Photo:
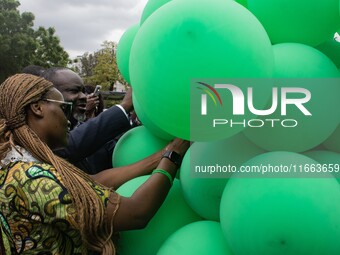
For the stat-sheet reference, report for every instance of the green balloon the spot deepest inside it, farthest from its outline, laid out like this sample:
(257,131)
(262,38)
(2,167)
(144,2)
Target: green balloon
(295,60)
(180,43)
(123,51)
(331,48)
(200,238)
(203,190)
(281,216)
(304,67)
(150,7)
(172,215)
(153,128)
(309,22)
(136,144)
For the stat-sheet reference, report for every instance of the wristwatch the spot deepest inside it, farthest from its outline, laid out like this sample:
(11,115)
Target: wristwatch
(174,157)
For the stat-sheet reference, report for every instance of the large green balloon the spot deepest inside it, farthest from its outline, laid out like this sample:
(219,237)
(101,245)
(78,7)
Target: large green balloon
(309,22)
(281,216)
(307,68)
(136,144)
(173,214)
(203,190)
(152,127)
(123,51)
(150,7)
(199,238)
(179,43)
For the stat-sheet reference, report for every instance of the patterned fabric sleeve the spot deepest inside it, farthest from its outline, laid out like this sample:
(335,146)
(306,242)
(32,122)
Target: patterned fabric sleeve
(5,248)
(41,216)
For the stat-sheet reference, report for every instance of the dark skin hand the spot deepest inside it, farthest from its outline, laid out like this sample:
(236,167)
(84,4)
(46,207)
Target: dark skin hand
(91,104)
(127,101)
(136,211)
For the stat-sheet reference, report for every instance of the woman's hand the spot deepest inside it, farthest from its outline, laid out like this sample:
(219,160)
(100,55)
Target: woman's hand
(178,145)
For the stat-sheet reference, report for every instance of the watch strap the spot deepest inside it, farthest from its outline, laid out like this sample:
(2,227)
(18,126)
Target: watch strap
(173,157)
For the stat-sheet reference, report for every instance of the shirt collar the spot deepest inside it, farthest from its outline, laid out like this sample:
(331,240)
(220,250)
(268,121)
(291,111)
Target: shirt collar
(17,154)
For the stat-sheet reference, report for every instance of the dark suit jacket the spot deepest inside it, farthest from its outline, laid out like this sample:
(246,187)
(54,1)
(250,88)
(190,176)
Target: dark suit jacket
(94,136)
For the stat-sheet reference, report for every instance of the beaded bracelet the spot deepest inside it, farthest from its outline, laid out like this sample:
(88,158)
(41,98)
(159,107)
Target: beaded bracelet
(161,171)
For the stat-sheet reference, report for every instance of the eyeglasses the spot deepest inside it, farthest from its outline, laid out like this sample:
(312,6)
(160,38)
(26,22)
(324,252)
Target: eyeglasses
(66,107)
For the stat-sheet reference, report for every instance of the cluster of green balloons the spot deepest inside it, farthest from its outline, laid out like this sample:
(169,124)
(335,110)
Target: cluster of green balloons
(167,53)
(174,214)
(281,215)
(299,65)
(176,54)
(203,188)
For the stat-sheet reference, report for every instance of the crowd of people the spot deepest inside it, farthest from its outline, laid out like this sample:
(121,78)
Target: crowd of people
(58,187)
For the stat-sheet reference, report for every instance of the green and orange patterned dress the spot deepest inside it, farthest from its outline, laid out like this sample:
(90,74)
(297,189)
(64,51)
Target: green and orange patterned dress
(37,215)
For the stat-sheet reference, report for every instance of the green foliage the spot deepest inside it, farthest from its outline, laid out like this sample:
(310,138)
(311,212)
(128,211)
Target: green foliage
(21,45)
(85,64)
(105,71)
(100,67)
(49,52)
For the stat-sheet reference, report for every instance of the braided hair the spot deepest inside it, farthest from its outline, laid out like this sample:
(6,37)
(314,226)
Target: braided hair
(16,94)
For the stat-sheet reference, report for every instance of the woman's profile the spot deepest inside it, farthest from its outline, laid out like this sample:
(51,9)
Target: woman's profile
(48,206)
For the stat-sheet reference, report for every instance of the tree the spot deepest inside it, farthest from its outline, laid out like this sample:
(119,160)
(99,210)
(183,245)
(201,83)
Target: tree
(105,70)
(16,36)
(49,52)
(100,67)
(85,64)
(21,45)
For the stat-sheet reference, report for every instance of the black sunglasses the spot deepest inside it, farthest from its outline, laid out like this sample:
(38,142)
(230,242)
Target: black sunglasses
(66,107)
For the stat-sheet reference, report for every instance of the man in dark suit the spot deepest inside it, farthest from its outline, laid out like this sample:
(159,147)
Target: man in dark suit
(91,143)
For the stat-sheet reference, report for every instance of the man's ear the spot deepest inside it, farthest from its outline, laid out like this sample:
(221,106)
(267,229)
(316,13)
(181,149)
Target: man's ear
(36,109)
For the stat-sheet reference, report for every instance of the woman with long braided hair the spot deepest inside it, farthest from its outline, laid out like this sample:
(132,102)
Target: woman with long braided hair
(48,206)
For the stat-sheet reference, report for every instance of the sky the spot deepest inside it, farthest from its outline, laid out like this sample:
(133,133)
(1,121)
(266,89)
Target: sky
(83,25)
